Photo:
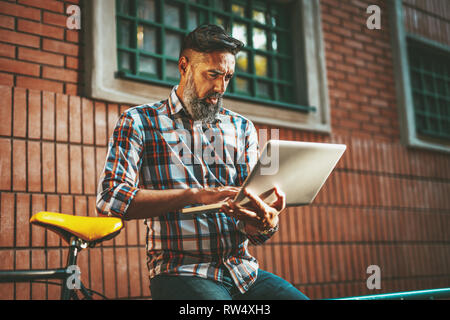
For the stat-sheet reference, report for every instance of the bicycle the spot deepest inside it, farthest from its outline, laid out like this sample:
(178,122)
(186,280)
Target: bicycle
(79,232)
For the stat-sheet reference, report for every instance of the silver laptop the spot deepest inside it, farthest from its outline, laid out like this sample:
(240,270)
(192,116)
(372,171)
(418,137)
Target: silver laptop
(299,169)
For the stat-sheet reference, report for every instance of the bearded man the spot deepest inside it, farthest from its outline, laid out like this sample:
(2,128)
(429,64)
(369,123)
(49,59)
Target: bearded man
(203,255)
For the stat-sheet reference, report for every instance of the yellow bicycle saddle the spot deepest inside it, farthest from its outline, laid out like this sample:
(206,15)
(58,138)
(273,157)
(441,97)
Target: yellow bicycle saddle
(89,229)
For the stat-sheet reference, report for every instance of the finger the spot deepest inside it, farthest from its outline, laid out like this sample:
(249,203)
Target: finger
(246,214)
(230,189)
(225,209)
(257,202)
(280,203)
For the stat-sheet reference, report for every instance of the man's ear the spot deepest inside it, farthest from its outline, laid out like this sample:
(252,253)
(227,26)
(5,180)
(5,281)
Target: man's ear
(183,65)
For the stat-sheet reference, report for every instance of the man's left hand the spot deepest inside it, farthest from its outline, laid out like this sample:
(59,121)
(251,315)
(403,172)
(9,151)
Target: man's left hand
(257,215)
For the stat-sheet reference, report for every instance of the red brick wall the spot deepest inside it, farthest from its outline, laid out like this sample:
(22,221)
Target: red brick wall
(429,19)
(37,50)
(385,204)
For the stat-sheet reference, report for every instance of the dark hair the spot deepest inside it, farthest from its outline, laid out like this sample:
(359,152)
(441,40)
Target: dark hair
(210,37)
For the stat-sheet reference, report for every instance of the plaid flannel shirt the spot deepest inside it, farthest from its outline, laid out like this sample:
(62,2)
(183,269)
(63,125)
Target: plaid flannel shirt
(160,147)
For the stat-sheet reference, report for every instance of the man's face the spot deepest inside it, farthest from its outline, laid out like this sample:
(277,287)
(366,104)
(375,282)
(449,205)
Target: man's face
(206,81)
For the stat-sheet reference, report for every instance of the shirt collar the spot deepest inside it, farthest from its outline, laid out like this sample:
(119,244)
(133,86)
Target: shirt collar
(175,104)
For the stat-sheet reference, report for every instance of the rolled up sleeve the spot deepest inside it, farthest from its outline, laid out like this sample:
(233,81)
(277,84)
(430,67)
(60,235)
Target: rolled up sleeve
(119,180)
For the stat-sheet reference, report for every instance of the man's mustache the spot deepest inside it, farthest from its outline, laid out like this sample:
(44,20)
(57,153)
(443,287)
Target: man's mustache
(213,95)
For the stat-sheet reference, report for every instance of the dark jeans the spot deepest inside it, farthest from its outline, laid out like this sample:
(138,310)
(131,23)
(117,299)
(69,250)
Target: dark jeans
(266,287)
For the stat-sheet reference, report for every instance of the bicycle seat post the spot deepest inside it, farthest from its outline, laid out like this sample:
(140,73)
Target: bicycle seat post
(75,246)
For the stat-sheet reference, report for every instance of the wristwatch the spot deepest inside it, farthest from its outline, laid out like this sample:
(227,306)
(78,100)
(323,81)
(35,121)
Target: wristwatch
(241,228)
(269,231)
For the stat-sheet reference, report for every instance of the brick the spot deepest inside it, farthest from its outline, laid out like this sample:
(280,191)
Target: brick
(62,117)
(6,79)
(59,74)
(341,31)
(74,119)
(54,19)
(48,166)
(122,272)
(87,110)
(15,10)
(54,261)
(89,170)
(34,114)
(48,115)
(95,267)
(19,38)
(331,19)
(20,112)
(80,205)
(100,124)
(41,57)
(19,67)
(135,276)
(62,168)
(7,50)
(34,166)
(22,220)
(53,205)
(345,86)
(23,290)
(371,128)
(6,110)
(39,84)
(67,205)
(7,22)
(60,47)
(72,63)
(71,89)
(37,233)
(345,68)
(76,173)
(51,5)
(73,36)
(40,29)
(7,220)
(110,276)
(19,177)
(339,13)
(132,232)
(5,164)
(307,222)
(92,208)
(38,258)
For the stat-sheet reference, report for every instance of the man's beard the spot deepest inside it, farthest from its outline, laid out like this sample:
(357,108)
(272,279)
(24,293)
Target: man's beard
(199,109)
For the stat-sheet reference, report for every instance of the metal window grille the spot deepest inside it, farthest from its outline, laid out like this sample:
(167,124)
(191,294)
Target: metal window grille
(430,84)
(150,32)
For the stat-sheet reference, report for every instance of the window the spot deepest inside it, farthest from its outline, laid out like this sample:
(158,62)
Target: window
(430,82)
(150,32)
(422,75)
(131,50)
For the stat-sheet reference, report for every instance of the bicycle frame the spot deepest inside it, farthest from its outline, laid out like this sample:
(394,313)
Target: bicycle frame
(63,274)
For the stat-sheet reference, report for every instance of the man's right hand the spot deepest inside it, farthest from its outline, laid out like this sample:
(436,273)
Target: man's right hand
(215,195)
